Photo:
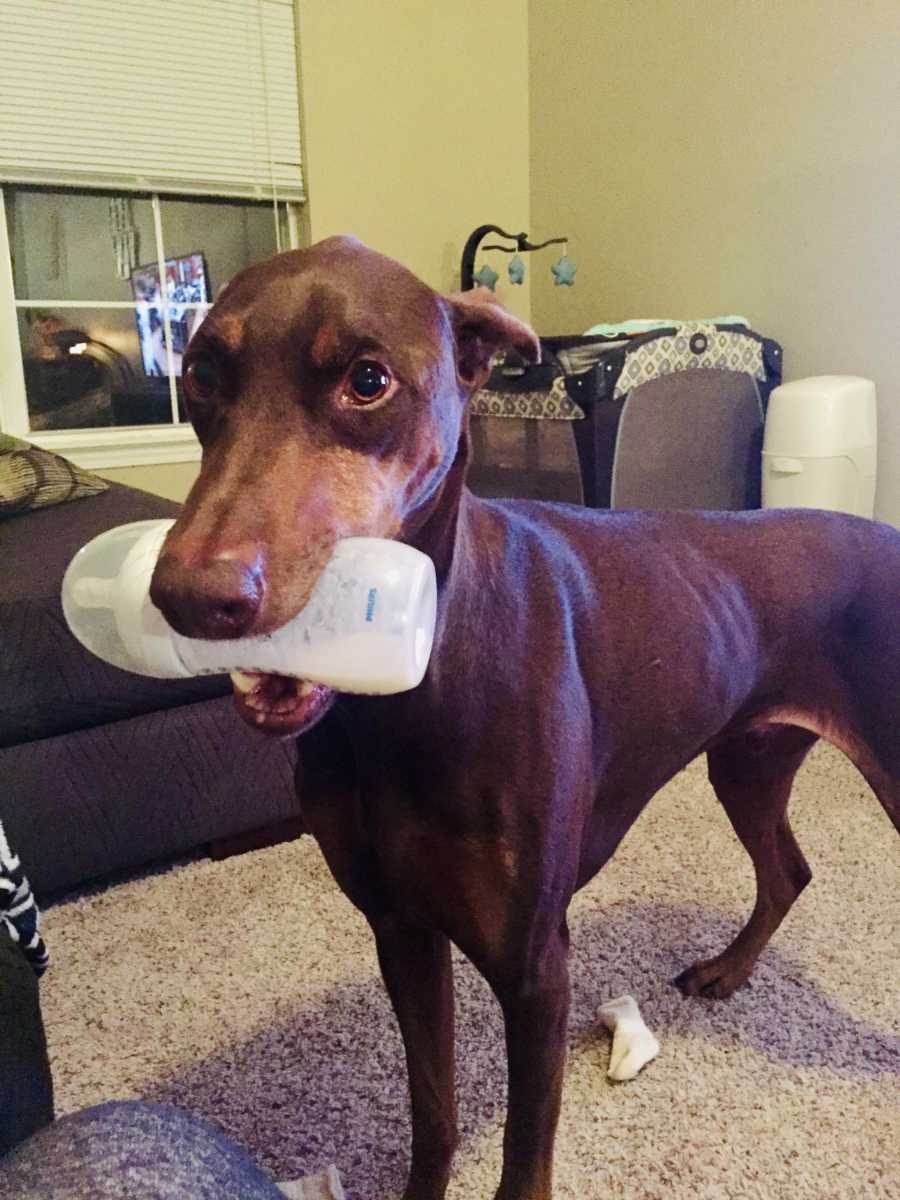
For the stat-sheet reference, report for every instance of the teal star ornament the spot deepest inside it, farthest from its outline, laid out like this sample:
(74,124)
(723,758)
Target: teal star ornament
(564,272)
(516,270)
(487,277)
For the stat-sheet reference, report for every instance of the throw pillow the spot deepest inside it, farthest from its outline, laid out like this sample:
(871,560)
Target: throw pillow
(34,478)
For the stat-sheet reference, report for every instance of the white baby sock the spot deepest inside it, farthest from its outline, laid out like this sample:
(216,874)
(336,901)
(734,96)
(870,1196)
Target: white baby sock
(633,1043)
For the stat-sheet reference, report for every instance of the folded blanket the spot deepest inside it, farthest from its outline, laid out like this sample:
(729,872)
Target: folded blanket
(649,324)
(18,912)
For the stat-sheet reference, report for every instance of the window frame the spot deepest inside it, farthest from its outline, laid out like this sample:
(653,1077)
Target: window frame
(120,446)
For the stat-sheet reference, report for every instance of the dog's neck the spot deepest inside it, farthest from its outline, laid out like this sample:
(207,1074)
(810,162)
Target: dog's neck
(438,527)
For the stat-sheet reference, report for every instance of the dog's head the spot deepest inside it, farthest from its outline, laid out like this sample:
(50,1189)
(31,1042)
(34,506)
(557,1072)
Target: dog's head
(328,389)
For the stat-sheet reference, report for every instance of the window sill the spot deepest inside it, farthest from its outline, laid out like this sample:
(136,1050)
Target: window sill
(137,446)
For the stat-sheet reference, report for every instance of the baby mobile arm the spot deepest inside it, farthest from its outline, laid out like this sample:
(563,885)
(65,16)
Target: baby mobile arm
(522,245)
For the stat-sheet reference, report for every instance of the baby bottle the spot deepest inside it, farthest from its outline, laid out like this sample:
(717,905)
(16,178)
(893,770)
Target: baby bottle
(368,626)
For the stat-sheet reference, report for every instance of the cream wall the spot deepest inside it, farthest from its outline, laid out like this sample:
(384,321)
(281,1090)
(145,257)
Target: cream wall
(415,132)
(172,480)
(729,157)
(416,127)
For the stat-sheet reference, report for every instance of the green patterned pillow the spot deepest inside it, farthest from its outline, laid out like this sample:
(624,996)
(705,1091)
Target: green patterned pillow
(35,478)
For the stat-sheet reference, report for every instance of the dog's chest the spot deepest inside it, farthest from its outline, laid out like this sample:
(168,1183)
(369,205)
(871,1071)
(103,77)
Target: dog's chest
(454,881)
(457,828)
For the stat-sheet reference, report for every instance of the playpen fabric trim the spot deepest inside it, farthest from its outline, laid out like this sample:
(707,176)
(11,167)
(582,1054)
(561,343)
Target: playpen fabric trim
(691,347)
(695,345)
(555,404)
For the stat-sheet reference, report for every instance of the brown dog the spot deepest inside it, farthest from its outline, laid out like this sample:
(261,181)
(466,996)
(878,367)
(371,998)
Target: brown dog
(581,660)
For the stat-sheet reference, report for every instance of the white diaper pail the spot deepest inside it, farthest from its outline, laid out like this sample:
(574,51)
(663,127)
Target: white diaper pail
(820,445)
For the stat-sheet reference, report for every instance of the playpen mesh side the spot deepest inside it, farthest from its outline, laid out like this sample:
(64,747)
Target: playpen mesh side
(516,457)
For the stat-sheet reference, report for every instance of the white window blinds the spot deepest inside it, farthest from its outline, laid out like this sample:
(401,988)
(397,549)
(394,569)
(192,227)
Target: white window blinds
(167,95)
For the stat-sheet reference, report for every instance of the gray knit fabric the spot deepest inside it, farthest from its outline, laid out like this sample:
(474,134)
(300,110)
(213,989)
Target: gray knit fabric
(131,1150)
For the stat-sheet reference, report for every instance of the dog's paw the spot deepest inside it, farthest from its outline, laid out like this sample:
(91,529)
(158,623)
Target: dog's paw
(715,979)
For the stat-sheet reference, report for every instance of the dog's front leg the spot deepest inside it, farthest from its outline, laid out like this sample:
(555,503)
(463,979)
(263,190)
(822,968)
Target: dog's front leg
(418,975)
(535,1010)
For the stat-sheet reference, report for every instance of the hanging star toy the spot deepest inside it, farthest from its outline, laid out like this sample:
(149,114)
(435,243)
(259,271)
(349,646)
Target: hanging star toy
(564,272)
(487,277)
(516,270)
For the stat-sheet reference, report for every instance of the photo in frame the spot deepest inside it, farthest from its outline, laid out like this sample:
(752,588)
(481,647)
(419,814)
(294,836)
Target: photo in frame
(188,297)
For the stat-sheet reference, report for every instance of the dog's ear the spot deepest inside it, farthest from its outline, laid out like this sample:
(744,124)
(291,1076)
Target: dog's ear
(483,328)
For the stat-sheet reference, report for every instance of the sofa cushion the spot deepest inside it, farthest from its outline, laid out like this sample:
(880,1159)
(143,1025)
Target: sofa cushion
(116,796)
(49,684)
(34,478)
(36,547)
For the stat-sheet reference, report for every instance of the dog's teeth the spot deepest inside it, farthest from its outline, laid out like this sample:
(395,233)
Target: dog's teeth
(305,688)
(243,682)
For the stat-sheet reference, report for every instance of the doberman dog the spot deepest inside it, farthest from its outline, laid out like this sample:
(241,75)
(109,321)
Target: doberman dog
(581,659)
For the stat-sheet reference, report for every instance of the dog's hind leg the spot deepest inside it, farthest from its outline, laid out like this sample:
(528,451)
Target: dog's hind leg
(752,773)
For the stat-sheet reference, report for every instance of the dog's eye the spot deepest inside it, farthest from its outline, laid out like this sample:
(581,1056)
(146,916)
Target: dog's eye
(368,382)
(203,377)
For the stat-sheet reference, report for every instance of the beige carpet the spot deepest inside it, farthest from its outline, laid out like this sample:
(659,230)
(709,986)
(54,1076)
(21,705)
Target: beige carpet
(247,991)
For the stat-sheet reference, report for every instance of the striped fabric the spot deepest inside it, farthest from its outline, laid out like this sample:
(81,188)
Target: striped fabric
(18,912)
(35,478)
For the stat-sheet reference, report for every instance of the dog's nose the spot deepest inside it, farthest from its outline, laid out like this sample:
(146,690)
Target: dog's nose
(218,599)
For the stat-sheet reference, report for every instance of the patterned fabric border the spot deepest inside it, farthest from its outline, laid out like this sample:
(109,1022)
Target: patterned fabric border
(18,912)
(691,347)
(552,405)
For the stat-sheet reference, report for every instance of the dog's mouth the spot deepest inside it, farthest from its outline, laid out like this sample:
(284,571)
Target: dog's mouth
(280,706)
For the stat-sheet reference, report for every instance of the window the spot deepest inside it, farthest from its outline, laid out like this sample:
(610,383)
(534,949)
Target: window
(124,211)
(100,337)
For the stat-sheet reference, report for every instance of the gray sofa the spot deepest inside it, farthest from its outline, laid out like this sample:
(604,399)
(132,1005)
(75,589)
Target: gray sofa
(102,770)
